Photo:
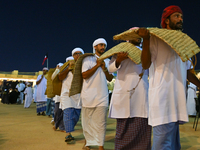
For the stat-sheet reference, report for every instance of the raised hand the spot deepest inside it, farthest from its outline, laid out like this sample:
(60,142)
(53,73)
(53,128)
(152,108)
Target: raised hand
(144,33)
(120,57)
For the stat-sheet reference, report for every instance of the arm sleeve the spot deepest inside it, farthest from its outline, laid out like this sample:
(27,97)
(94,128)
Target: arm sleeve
(153,47)
(189,65)
(25,92)
(38,78)
(55,73)
(86,64)
(111,67)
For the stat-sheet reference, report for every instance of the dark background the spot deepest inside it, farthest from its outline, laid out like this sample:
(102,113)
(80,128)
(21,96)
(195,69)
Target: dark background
(31,28)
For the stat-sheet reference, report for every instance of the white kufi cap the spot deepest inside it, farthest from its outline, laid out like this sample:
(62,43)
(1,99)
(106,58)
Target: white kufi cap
(98,41)
(59,64)
(45,68)
(69,58)
(76,50)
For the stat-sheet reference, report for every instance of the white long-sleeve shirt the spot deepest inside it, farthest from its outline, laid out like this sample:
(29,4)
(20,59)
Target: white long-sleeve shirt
(167,82)
(94,91)
(122,105)
(65,100)
(41,88)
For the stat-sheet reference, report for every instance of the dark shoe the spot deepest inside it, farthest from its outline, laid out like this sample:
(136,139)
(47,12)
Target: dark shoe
(38,114)
(69,138)
(43,114)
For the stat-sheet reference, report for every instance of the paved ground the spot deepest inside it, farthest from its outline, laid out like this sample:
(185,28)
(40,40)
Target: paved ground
(22,129)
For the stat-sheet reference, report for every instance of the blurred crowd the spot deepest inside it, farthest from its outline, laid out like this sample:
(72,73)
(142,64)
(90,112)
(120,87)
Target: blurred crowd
(13,92)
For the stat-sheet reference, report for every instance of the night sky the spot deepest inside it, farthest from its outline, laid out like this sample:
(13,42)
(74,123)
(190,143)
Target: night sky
(31,28)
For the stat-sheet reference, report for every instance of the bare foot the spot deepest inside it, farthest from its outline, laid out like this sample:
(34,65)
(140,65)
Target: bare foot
(85,147)
(101,148)
(54,128)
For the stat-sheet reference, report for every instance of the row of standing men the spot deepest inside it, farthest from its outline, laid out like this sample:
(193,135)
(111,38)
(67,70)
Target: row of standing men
(136,104)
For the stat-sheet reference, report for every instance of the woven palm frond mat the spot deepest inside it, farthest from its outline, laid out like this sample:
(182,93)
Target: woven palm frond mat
(127,35)
(77,80)
(63,67)
(134,53)
(57,84)
(49,90)
(180,42)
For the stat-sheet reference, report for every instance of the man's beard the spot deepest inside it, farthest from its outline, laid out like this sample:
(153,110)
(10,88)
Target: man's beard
(175,26)
(100,52)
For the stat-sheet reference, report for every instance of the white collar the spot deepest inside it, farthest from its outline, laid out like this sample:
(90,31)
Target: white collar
(96,55)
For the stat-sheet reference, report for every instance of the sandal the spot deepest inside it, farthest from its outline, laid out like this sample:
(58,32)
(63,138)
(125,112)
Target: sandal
(69,138)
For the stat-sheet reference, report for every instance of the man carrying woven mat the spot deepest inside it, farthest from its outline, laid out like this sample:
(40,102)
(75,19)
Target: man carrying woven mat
(94,96)
(167,82)
(41,98)
(130,107)
(69,105)
(57,121)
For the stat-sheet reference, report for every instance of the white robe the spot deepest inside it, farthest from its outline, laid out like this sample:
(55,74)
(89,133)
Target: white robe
(191,95)
(94,96)
(94,91)
(41,88)
(35,93)
(167,84)
(28,97)
(56,99)
(122,106)
(65,100)
(20,87)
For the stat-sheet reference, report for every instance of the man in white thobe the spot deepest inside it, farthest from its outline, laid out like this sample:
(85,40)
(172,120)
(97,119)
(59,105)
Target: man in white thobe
(41,98)
(57,113)
(20,87)
(191,95)
(94,95)
(167,82)
(34,93)
(28,96)
(128,106)
(70,105)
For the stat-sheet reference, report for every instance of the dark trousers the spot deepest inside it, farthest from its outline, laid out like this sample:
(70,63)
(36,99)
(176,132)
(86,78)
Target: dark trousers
(58,118)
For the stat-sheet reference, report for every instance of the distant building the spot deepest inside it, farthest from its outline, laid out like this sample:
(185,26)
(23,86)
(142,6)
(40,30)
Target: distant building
(16,75)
